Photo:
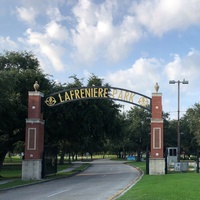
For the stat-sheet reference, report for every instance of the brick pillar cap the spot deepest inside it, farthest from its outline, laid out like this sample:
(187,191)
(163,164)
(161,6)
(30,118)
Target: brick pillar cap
(157,94)
(34,93)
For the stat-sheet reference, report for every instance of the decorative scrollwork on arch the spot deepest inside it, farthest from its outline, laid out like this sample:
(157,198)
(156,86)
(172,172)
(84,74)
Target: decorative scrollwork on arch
(143,101)
(50,101)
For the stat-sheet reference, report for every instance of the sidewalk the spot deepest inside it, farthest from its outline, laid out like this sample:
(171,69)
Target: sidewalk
(6,181)
(73,167)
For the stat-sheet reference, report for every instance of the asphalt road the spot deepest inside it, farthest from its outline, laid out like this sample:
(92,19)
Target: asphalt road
(103,180)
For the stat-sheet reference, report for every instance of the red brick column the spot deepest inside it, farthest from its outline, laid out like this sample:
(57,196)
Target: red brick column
(157,127)
(34,138)
(34,141)
(157,161)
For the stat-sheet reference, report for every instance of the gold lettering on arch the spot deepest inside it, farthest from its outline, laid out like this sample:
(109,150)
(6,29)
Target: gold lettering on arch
(98,93)
(126,96)
(131,97)
(67,97)
(120,95)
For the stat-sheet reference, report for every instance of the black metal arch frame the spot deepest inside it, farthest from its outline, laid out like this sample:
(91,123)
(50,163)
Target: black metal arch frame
(54,96)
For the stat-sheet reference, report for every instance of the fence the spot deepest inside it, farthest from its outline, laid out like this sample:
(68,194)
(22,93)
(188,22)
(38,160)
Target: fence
(182,166)
(49,162)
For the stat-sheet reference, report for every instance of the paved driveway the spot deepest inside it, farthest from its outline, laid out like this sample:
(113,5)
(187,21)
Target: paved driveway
(103,180)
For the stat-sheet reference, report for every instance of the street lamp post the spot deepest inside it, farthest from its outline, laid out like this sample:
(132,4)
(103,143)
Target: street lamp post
(178,128)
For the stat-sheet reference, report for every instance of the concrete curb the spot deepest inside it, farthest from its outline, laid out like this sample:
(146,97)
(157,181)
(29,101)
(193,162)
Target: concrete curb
(129,186)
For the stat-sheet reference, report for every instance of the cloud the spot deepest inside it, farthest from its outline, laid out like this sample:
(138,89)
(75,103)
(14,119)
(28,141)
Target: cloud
(29,11)
(116,27)
(8,44)
(182,67)
(47,46)
(174,69)
(49,37)
(27,14)
(56,31)
(55,15)
(141,77)
(96,35)
(125,35)
(186,67)
(160,16)
(148,71)
(104,31)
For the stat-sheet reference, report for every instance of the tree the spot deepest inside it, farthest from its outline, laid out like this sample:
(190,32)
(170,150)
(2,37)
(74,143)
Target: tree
(139,129)
(120,142)
(193,117)
(101,119)
(170,133)
(18,72)
(64,118)
(82,126)
(188,141)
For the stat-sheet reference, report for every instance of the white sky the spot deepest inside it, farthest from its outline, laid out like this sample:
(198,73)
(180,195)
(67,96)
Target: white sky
(131,44)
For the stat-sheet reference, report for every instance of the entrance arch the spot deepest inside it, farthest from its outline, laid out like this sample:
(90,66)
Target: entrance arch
(98,92)
(34,140)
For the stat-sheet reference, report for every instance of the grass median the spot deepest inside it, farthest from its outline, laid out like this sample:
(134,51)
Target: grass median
(172,186)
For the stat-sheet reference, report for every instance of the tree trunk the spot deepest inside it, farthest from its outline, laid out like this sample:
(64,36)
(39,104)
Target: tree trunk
(69,158)
(2,157)
(91,156)
(62,157)
(82,155)
(197,160)
(73,156)
(184,156)
(139,154)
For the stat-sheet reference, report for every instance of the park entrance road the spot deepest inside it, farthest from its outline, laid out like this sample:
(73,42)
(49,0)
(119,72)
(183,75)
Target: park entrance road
(101,181)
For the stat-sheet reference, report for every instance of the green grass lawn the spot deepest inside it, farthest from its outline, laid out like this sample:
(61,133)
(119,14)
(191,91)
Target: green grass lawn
(12,168)
(173,186)
(11,171)
(13,160)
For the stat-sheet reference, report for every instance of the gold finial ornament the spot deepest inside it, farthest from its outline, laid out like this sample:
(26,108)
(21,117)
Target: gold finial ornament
(36,86)
(156,87)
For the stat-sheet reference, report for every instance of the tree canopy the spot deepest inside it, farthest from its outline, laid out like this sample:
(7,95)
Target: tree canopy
(192,120)
(18,72)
